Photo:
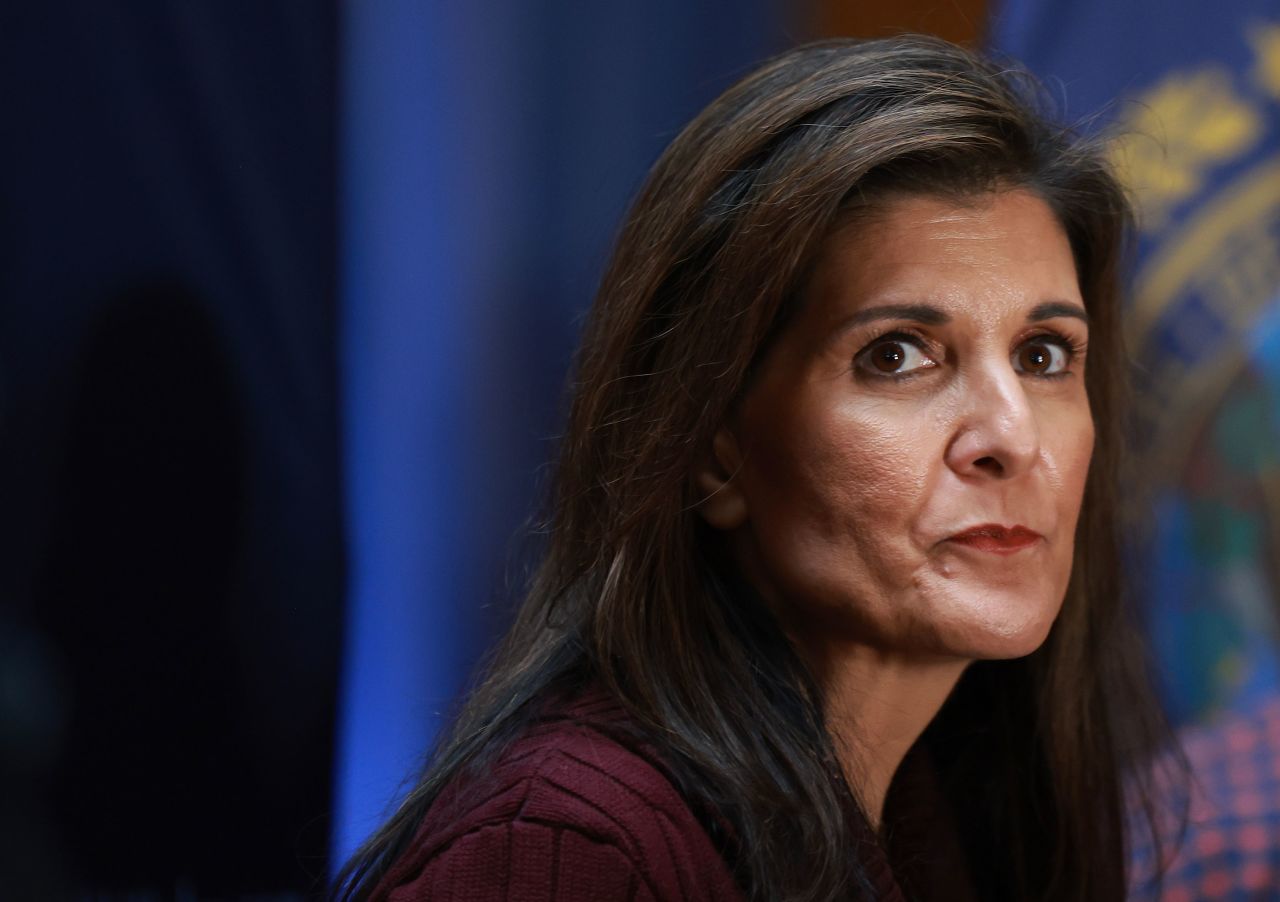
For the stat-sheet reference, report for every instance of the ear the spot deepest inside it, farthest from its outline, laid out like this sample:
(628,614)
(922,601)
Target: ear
(723,504)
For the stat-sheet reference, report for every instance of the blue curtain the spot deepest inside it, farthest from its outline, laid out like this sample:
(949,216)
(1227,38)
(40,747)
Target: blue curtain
(488,153)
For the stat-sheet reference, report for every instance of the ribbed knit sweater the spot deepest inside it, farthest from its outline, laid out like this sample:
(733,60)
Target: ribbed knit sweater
(573,811)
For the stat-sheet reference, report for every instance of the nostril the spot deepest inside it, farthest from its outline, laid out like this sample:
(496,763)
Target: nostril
(989,463)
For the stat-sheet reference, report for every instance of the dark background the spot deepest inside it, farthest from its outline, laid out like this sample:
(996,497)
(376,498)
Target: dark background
(172,569)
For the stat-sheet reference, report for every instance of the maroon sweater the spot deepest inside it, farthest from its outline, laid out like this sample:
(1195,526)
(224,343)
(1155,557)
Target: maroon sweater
(572,811)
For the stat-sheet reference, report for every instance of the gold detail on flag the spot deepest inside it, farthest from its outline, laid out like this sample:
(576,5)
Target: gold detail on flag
(1265,39)
(1213,278)
(1178,131)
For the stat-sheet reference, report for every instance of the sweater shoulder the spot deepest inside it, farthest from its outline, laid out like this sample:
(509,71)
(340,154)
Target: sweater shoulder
(575,774)
(578,800)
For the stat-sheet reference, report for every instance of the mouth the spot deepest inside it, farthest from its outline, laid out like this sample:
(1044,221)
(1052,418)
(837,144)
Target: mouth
(997,539)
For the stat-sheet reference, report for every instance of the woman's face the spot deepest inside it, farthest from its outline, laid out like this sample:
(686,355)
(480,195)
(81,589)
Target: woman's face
(907,467)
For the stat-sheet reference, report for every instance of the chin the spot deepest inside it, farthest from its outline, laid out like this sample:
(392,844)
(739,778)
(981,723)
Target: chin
(992,625)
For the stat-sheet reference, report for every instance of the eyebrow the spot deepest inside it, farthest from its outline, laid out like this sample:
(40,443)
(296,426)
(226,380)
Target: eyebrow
(920,313)
(1054,309)
(932,316)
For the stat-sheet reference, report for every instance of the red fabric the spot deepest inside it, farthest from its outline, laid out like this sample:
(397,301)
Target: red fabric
(572,812)
(1231,848)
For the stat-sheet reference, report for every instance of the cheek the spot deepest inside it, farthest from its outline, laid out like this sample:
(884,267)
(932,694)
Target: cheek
(886,462)
(1069,452)
(833,496)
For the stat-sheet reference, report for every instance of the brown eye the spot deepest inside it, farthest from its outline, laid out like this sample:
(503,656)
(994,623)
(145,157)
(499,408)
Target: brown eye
(1040,358)
(888,357)
(892,357)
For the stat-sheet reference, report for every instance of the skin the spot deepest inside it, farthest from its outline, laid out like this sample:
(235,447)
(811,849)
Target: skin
(932,381)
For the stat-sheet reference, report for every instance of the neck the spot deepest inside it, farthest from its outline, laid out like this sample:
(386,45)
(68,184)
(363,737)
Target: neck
(876,706)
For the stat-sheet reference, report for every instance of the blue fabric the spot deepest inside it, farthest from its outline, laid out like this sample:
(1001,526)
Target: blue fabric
(489,150)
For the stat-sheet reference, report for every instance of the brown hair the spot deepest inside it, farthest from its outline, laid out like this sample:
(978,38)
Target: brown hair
(630,594)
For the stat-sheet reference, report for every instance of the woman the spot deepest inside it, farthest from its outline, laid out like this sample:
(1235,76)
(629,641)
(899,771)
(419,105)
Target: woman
(830,606)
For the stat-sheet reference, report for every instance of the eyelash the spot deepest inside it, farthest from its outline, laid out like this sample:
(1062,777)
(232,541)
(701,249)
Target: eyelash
(1074,349)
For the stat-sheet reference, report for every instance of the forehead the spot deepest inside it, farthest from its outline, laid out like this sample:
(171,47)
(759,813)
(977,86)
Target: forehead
(994,255)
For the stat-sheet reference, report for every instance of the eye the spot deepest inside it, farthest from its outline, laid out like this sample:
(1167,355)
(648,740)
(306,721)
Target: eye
(893,355)
(1042,356)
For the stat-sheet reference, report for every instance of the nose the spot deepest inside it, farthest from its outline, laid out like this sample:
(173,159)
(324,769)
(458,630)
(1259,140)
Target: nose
(996,434)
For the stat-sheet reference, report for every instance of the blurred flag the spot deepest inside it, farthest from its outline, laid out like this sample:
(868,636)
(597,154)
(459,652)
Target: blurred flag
(1188,92)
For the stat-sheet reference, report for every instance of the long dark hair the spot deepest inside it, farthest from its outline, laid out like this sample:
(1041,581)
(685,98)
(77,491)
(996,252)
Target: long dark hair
(631,595)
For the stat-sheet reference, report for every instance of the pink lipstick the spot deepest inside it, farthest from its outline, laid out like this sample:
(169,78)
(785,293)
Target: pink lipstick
(997,539)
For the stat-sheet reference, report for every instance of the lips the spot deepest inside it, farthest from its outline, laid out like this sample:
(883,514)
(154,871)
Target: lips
(997,539)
